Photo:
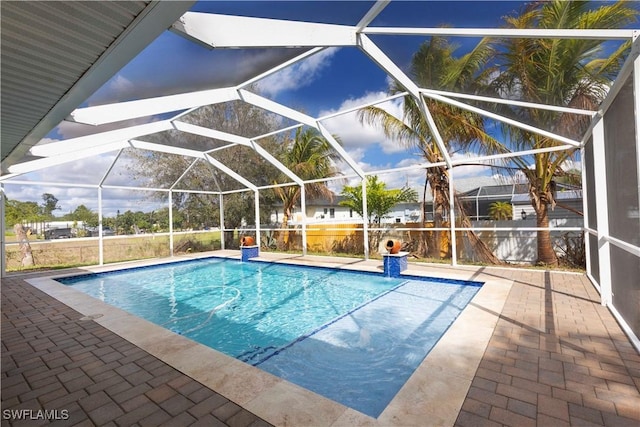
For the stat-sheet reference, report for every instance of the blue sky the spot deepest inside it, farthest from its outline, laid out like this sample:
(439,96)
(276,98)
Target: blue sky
(327,82)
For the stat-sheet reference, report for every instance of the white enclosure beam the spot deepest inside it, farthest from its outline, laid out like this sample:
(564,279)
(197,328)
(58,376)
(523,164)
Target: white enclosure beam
(100,239)
(510,102)
(256,198)
(224,136)
(230,172)
(275,132)
(602,212)
(502,119)
(210,133)
(452,221)
(372,13)
(43,163)
(365,219)
(221,206)
(161,148)
(96,140)
(384,62)
(361,106)
(532,33)
(170,197)
(227,31)
(110,113)
(303,208)
(281,66)
(274,107)
(110,168)
(341,151)
(434,131)
(186,171)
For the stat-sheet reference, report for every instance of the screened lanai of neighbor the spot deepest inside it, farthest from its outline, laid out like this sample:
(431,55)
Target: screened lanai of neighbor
(73,125)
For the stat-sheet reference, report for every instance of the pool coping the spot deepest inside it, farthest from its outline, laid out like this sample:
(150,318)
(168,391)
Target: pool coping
(435,391)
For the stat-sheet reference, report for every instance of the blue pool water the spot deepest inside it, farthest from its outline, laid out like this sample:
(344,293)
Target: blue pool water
(352,337)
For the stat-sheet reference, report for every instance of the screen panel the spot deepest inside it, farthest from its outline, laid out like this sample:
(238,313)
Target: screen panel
(622,167)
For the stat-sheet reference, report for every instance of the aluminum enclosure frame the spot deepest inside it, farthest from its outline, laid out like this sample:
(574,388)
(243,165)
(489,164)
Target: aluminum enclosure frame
(227,32)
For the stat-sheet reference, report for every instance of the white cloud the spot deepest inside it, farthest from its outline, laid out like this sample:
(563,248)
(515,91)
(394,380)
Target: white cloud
(120,85)
(362,135)
(297,75)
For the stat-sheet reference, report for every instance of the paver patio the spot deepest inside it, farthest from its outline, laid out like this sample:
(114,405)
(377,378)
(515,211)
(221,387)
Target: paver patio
(556,357)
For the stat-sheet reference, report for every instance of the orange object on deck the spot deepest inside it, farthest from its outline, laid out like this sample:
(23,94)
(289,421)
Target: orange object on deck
(247,241)
(393,246)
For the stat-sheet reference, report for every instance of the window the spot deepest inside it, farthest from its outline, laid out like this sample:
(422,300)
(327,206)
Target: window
(332,213)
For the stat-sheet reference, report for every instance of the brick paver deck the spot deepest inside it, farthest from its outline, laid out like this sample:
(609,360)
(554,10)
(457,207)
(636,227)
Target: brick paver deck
(54,360)
(556,358)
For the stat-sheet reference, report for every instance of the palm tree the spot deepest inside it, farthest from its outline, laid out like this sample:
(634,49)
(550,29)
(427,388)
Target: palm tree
(501,211)
(562,72)
(310,156)
(434,66)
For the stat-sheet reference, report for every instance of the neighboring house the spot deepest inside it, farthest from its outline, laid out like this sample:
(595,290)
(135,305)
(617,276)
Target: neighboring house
(569,202)
(330,211)
(476,199)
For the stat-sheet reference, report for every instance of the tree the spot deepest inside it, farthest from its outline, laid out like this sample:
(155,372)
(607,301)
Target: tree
(501,211)
(435,66)
(563,72)
(198,210)
(50,204)
(380,200)
(84,214)
(309,156)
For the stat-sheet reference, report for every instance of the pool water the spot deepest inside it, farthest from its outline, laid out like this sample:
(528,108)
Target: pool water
(352,337)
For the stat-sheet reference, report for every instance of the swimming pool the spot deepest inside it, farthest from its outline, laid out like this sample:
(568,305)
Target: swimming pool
(352,337)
